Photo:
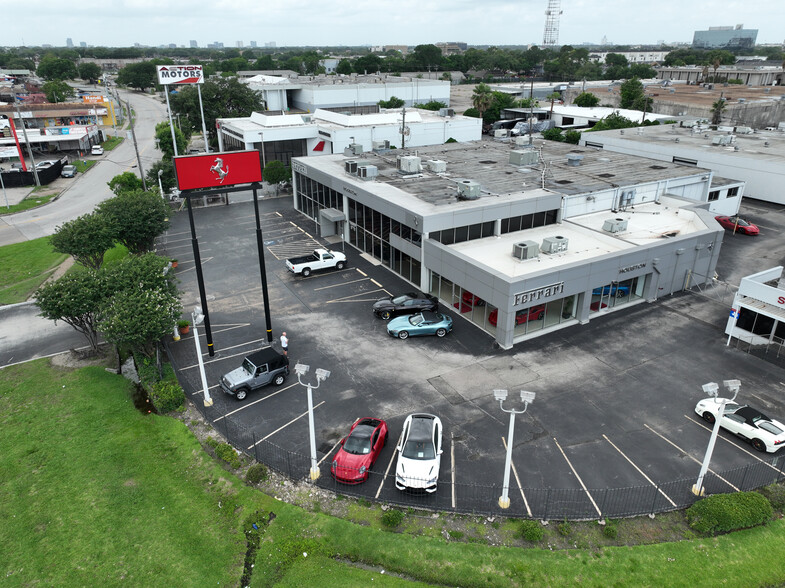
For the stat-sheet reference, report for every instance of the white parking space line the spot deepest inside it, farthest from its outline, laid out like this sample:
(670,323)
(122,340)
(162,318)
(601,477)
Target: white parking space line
(353,298)
(362,273)
(389,465)
(286,425)
(569,463)
(341,284)
(648,479)
(201,391)
(196,365)
(377,283)
(326,455)
(248,405)
(452,467)
(747,451)
(518,480)
(688,455)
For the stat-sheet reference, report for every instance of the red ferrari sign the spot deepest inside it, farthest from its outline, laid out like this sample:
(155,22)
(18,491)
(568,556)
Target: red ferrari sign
(216,170)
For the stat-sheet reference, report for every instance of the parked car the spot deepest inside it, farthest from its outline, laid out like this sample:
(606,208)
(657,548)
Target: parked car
(525,315)
(763,433)
(319,259)
(419,453)
(422,323)
(471,299)
(359,450)
(258,369)
(68,171)
(612,289)
(596,305)
(386,308)
(44,164)
(97,150)
(737,224)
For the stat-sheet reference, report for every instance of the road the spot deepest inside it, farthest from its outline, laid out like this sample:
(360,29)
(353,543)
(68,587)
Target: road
(91,188)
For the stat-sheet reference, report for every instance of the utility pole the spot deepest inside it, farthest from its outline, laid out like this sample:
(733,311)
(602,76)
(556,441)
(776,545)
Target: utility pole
(531,108)
(136,147)
(403,128)
(27,141)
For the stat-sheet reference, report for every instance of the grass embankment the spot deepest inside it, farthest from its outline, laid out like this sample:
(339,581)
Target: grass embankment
(24,267)
(94,493)
(111,142)
(35,199)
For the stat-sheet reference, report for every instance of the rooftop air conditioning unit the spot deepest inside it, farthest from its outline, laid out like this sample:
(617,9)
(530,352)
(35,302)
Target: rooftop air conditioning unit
(615,225)
(523,157)
(446,112)
(367,172)
(525,250)
(436,165)
(501,133)
(468,190)
(408,164)
(380,145)
(521,140)
(350,166)
(554,244)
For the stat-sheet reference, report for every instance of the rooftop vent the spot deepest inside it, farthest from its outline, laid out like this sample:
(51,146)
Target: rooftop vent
(523,157)
(615,225)
(525,250)
(554,244)
(468,190)
(446,112)
(574,160)
(352,149)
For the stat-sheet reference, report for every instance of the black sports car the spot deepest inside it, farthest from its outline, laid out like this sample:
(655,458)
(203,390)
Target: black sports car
(409,303)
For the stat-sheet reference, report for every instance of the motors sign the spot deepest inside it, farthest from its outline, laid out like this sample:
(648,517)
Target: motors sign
(218,170)
(179,74)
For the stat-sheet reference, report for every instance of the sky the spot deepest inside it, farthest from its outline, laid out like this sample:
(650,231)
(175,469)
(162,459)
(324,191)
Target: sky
(124,23)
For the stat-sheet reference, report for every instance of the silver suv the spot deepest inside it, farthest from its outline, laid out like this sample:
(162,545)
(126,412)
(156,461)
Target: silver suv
(259,369)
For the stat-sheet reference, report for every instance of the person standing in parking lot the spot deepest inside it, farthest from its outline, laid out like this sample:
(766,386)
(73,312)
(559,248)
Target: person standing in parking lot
(285,344)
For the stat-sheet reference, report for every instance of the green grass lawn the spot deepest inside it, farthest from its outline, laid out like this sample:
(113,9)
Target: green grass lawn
(112,142)
(33,200)
(94,493)
(24,267)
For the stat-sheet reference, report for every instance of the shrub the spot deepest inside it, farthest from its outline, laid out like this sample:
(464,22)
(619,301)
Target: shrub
(227,453)
(167,396)
(610,530)
(146,370)
(211,442)
(565,529)
(257,473)
(530,531)
(776,495)
(728,512)
(392,518)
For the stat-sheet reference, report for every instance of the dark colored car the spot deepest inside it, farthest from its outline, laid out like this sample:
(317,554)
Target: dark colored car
(359,451)
(738,225)
(409,303)
(263,367)
(534,313)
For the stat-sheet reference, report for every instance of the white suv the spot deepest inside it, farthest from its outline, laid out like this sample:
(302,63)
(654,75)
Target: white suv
(97,150)
(420,451)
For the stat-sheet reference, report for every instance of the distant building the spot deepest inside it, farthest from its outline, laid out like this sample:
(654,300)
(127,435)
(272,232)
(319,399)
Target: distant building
(238,44)
(271,44)
(452,48)
(193,44)
(330,64)
(216,45)
(253,44)
(725,38)
(403,49)
(82,44)
(632,56)
(69,43)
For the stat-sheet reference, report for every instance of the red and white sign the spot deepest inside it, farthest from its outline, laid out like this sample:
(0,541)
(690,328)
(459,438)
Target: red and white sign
(216,170)
(179,74)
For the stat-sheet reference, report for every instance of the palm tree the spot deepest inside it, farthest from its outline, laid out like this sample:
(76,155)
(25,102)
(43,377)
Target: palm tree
(716,111)
(553,97)
(482,98)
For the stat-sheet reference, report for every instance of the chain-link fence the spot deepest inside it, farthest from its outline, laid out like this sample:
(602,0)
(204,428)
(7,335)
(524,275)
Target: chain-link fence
(461,497)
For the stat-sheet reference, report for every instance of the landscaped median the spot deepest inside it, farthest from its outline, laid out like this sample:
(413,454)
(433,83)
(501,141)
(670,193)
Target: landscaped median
(94,492)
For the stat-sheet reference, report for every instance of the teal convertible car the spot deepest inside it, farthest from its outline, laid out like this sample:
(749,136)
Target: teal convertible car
(422,323)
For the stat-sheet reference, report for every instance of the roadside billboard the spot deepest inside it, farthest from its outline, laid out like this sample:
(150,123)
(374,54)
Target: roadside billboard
(179,74)
(217,170)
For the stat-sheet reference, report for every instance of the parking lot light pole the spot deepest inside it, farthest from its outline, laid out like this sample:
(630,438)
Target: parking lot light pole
(501,396)
(198,317)
(321,375)
(711,389)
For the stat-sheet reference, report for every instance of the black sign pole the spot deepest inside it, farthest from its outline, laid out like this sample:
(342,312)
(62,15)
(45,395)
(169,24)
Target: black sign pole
(199,279)
(262,271)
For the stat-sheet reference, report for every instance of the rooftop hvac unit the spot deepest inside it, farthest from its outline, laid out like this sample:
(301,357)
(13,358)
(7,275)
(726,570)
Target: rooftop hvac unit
(408,164)
(744,130)
(574,160)
(468,190)
(525,250)
(554,244)
(379,145)
(350,166)
(521,140)
(615,225)
(367,172)
(446,112)
(436,165)
(501,133)
(523,157)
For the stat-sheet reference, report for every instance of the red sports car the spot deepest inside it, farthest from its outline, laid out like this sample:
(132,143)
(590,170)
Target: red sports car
(359,451)
(596,305)
(471,299)
(534,313)
(739,225)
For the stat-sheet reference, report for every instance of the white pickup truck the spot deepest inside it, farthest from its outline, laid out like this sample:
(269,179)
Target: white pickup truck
(319,259)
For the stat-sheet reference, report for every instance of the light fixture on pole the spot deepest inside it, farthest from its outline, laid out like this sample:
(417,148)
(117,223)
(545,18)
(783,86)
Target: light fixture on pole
(501,396)
(711,389)
(301,369)
(160,187)
(198,317)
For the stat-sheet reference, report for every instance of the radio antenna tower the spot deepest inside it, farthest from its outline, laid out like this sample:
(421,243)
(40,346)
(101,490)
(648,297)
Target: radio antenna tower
(551,36)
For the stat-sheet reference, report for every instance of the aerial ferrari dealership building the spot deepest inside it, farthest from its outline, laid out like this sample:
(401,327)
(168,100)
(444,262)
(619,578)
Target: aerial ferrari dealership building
(519,239)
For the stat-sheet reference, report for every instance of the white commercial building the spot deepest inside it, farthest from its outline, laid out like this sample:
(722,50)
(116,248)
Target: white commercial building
(758,313)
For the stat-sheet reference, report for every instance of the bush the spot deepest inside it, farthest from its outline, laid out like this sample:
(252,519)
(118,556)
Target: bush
(727,512)
(610,530)
(227,453)
(257,473)
(211,442)
(392,518)
(167,396)
(776,495)
(553,134)
(531,531)
(565,529)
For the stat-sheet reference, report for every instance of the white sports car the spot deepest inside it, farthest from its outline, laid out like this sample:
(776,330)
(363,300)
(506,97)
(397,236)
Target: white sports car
(748,423)
(420,451)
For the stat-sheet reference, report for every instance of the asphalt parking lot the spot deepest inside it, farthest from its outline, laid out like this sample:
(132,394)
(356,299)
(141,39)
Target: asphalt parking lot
(615,398)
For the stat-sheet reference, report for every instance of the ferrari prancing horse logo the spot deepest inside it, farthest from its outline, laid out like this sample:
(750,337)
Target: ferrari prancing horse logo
(218,169)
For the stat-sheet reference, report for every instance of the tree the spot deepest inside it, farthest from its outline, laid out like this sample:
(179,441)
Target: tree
(163,135)
(57,91)
(434,105)
(89,71)
(553,134)
(572,137)
(125,182)
(168,179)
(630,91)
(482,98)
(427,56)
(553,97)
(86,239)
(276,173)
(140,75)
(613,121)
(716,111)
(344,67)
(56,68)
(137,218)
(74,299)
(393,102)
(472,112)
(500,101)
(586,100)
